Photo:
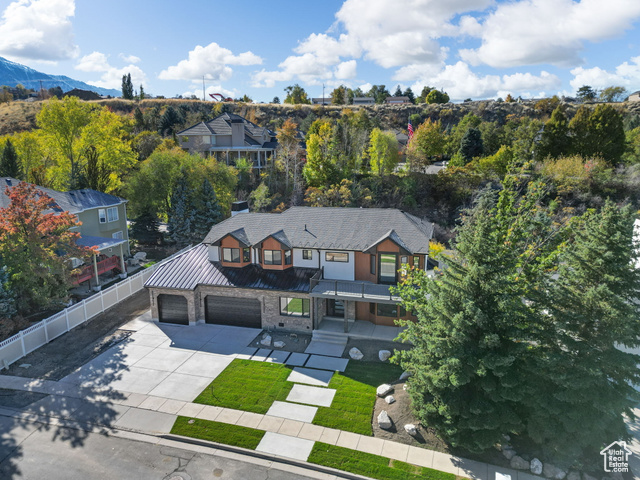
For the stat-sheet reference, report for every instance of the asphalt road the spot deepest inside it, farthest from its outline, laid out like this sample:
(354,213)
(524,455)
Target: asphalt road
(35,451)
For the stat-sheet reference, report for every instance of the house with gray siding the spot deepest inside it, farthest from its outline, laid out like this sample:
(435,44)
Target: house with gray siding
(290,270)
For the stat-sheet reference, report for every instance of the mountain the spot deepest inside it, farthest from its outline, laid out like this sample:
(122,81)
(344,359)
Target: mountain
(11,74)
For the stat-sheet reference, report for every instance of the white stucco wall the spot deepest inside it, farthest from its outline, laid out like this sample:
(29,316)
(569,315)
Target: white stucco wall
(338,270)
(214,253)
(298,261)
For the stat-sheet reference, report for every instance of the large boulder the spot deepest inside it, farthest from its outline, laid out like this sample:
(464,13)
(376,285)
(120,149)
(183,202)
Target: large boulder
(278,344)
(404,375)
(356,354)
(411,429)
(384,355)
(508,452)
(519,463)
(266,341)
(384,390)
(384,421)
(389,399)
(536,466)
(553,472)
(573,475)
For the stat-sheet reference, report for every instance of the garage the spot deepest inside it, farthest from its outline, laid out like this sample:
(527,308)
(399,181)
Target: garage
(173,309)
(240,312)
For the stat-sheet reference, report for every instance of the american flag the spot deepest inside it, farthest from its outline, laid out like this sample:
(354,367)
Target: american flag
(410,128)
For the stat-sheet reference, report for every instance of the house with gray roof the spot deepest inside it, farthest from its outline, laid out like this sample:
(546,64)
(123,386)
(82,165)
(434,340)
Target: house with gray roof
(229,137)
(293,269)
(103,225)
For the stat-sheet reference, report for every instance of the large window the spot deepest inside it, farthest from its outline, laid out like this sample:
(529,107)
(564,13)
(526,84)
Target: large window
(231,255)
(387,310)
(416,261)
(112,214)
(287,257)
(388,268)
(102,215)
(336,257)
(272,257)
(307,254)
(298,307)
(117,235)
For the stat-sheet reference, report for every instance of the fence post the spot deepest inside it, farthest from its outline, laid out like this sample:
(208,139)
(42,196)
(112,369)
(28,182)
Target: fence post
(84,306)
(102,300)
(66,317)
(24,350)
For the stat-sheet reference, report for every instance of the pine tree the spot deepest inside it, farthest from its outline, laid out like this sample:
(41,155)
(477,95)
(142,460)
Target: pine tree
(555,140)
(208,212)
(9,163)
(127,87)
(471,144)
(7,297)
(182,212)
(145,228)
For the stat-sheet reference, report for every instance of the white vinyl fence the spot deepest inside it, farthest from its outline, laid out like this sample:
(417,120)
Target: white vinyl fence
(32,338)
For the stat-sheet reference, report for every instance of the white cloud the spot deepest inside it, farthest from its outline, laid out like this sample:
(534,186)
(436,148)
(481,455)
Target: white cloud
(129,58)
(111,76)
(346,70)
(196,89)
(38,30)
(529,32)
(211,61)
(625,75)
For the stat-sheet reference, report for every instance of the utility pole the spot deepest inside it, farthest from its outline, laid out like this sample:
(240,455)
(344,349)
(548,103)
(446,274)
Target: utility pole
(41,91)
(323,94)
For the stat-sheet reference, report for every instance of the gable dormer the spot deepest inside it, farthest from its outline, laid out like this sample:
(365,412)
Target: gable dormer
(275,251)
(232,250)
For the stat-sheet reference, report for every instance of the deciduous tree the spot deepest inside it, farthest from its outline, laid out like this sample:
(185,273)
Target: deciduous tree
(296,95)
(428,142)
(383,152)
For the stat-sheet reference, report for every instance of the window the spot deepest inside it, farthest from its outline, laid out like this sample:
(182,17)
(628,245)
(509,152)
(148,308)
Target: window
(387,310)
(416,261)
(387,268)
(102,215)
(272,257)
(295,307)
(112,214)
(206,139)
(246,255)
(287,257)
(117,235)
(372,264)
(404,260)
(307,254)
(231,255)
(336,257)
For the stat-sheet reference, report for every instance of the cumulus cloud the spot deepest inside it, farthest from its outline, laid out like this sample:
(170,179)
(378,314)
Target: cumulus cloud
(211,61)
(532,32)
(38,30)
(129,58)
(625,75)
(111,76)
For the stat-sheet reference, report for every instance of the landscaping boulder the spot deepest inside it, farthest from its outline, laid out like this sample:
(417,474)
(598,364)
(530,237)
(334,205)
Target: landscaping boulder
(536,466)
(411,429)
(553,472)
(266,341)
(573,475)
(405,375)
(586,476)
(356,354)
(384,390)
(140,257)
(384,421)
(389,399)
(508,452)
(384,355)
(405,386)
(279,344)
(519,463)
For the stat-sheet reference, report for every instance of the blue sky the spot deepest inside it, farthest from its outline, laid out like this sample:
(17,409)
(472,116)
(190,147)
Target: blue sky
(470,48)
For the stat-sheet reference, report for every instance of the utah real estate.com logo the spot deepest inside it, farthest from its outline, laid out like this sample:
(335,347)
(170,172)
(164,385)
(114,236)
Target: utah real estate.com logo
(616,457)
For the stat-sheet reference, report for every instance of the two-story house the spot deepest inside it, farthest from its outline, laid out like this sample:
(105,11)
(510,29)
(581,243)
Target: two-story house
(229,137)
(292,269)
(103,225)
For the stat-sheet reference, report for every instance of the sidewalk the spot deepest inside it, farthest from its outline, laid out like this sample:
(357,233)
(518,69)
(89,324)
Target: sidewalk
(287,438)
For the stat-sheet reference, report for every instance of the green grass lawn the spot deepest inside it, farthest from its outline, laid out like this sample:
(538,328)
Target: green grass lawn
(373,466)
(218,432)
(248,385)
(352,407)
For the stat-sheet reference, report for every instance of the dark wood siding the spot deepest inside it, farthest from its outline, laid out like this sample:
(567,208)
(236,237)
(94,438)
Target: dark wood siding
(173,309)
(240,312)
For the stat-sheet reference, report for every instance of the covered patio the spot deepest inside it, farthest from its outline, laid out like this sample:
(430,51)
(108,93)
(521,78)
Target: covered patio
(110,257)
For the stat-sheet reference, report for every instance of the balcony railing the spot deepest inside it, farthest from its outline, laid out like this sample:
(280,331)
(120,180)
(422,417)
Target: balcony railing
(87,272)
(353,290)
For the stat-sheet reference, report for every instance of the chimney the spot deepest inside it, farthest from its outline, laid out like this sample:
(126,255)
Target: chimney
(239,207)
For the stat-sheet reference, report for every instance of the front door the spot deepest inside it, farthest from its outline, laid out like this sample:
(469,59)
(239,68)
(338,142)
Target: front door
(335,308)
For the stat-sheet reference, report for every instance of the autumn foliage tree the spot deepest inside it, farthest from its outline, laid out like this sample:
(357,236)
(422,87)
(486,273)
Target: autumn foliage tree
(35,246)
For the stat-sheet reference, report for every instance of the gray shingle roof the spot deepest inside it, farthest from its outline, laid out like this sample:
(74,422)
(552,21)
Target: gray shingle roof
(194,268)
(330,228)
(221,125)
(74,201)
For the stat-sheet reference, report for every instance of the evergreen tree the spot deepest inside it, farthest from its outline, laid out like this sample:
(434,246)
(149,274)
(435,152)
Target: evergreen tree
(409,93)
(471,144)
(7,297)
(208,212)
(9,163)
(182,213)
(555,140)
(170,119)
(276,100)
(398,92)
(607,131)
(145,228)
(141,96)
(127,87)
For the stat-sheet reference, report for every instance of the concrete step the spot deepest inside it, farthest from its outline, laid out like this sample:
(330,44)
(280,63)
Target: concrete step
(330,337)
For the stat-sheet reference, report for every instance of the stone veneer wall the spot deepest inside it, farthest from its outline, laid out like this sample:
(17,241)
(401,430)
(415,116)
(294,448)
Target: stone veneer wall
(188,294)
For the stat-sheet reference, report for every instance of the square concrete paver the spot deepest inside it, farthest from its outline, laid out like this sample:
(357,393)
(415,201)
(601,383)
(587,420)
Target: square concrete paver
(250,419)
(229,415)
(152,403)
(290,427)
(297,359)
(277,357)
(146,420)
(320,378)
(285,446)
(311,431)
(246,353)
(327,363)
(171,406)
(348,440)
(324,348)
(262,354)
(205,365)
(302,413)
(209,412)
(179,386)
(396,451)
(321,397)
(191,410)
(370,445)
(420,456)
(270,424)
(330,436)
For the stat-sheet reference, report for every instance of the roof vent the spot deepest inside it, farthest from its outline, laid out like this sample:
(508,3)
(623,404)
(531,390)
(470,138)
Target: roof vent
(8,180)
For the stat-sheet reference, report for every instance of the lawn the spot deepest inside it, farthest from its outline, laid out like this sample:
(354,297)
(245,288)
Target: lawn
(218,432)
(248,385)
(370,465)
(352,407)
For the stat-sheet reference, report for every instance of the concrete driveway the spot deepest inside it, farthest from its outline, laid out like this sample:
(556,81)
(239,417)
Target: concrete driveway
(168,361)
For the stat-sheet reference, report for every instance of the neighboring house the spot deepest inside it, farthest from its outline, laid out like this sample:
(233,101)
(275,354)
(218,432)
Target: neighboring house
(229,137)
(364,100)
(634,97)
(103,220)
(397,100)
(290,270)
(321,101)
